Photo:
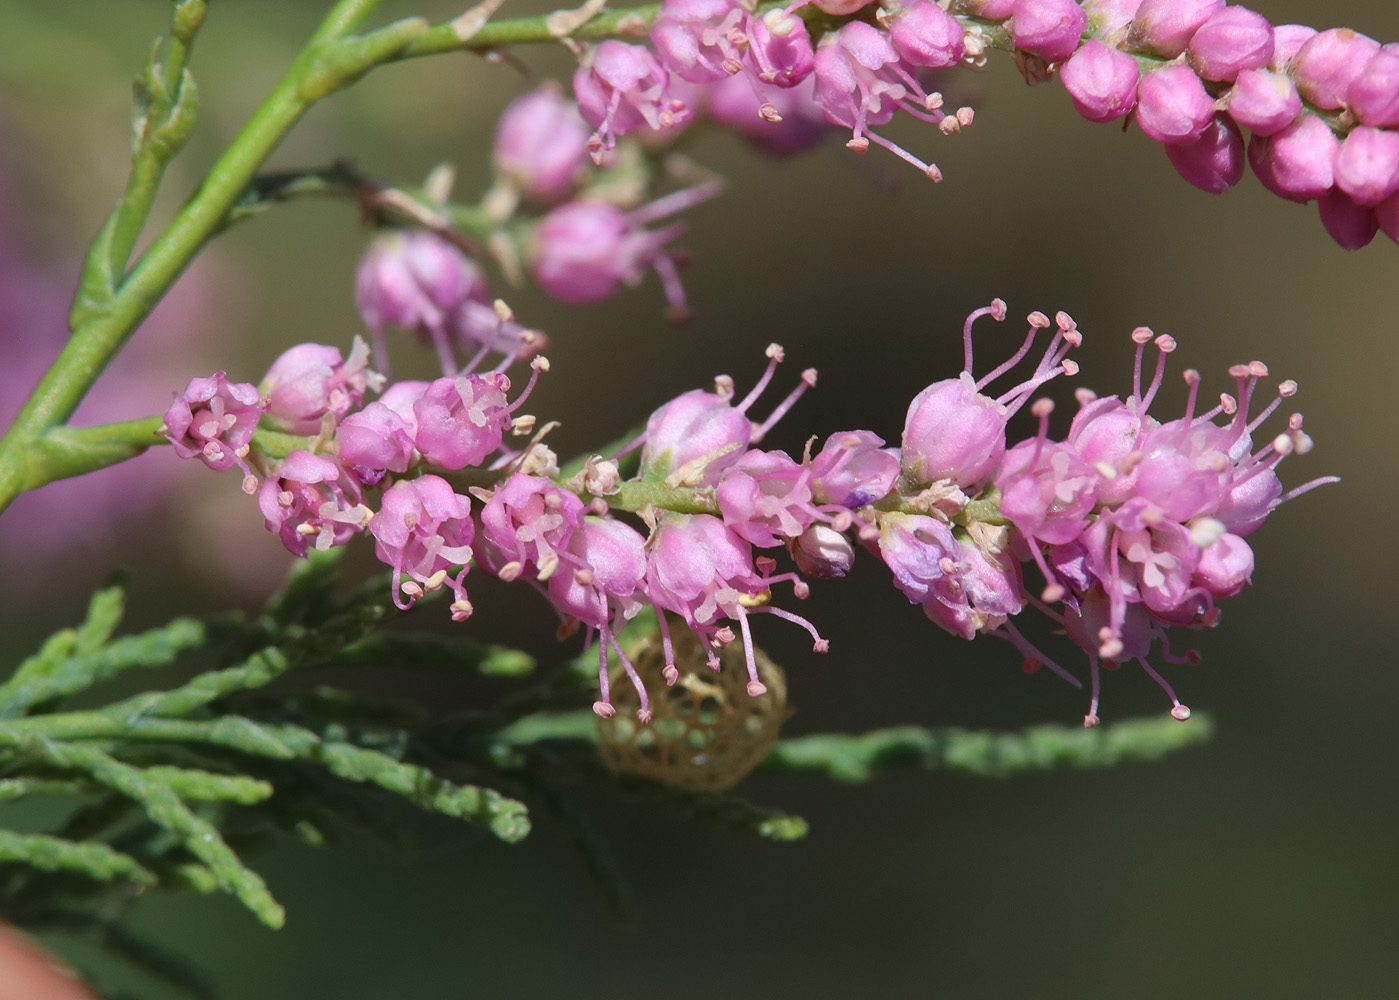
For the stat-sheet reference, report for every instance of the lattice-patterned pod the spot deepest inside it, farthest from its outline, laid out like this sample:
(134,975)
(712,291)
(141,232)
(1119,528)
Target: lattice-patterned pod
(707,732)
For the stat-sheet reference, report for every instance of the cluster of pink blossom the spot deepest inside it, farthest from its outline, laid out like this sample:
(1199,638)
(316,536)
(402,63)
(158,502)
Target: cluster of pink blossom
(753,68)
(1322,106)
(1135,524)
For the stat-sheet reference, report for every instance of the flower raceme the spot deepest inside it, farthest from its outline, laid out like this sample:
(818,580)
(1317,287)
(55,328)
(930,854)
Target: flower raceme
(1133,522)
(1197,76)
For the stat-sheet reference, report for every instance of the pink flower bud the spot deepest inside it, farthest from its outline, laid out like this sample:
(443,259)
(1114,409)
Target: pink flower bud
(1326,65)
(541,144)
(1367,166)
(1298,162)
(213,420)
(310,380)
(1351,225)
(1101,81)
(1225,567)
(1387,215)
(579,252)
(1233,40)
(1108,20)
(700,40)
(779,48)
(823,552)
(462,420)
(1374,94)
(1215,161)
(1173,105)
(374,441)
(1264,101)
(1164,27)
(691,427)
(953,432)
(1050,29)
(926,35)
(1288,39)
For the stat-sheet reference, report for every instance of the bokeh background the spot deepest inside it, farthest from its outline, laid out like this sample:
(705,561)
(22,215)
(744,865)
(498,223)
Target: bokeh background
(1261,864)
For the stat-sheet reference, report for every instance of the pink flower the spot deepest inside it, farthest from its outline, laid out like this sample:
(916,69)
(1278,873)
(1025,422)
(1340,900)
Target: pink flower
(527,524)
(978,595)
(311,498)
(861,81)
(462,420)
(919,550)
(853,469)
(800,122)
(213,420)
(622,87)
(702,571)
(1047,488)
(600,585)
(423,530)
(765,498)
(700,40)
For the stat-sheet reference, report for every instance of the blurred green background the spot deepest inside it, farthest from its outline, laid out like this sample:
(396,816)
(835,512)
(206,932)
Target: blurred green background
(1262,864)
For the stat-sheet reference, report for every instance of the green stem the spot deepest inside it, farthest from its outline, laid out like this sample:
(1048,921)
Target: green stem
(330,62)
(166,87)
(72,451)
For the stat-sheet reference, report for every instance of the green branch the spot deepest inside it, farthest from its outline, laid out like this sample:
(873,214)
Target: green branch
(1040,748)
(110,306)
